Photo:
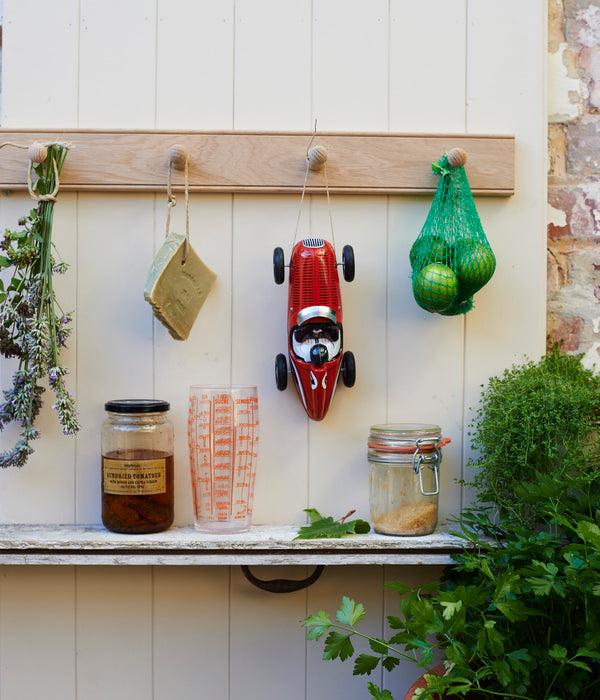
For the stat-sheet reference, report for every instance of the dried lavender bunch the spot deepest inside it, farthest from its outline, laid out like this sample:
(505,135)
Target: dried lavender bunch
(33,327)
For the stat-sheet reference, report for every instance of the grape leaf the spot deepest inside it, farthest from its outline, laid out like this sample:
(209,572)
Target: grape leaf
(328,527)
(313,514)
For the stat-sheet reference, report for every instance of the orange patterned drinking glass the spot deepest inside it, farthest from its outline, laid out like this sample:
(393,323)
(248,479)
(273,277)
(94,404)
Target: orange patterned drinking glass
(223,444)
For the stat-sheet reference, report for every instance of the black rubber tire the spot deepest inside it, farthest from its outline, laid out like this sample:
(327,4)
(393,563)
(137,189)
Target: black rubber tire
(348,263)
(348,369)
(281,372)
(278,265)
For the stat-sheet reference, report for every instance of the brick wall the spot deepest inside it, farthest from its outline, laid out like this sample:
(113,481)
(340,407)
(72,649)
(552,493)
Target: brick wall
(573,308)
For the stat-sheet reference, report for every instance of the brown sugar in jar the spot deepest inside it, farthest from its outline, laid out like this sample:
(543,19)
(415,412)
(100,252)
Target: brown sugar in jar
(404,461)
(137,467)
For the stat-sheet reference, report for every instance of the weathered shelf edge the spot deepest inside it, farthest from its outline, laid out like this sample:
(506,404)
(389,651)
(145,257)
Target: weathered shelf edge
(262,545)
(261,162)
(12,558)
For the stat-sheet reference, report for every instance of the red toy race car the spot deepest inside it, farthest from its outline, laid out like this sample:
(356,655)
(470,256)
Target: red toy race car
(315,334)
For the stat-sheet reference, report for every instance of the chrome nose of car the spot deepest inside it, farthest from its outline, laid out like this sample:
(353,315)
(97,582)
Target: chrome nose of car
(316,312)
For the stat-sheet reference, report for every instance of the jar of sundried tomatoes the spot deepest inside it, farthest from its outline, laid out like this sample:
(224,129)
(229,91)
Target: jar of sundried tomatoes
(137,466)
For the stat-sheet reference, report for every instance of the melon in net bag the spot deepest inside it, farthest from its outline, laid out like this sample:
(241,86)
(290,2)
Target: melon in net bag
(451,258)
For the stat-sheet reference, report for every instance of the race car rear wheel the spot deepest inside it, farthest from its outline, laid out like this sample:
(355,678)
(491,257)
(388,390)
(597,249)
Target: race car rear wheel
(348,369)
(278,265)
(281,372)
(348,262)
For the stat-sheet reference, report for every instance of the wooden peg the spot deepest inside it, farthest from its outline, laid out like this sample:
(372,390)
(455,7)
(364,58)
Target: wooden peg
(457,157)
(37,152)
(178,156)
(317,157)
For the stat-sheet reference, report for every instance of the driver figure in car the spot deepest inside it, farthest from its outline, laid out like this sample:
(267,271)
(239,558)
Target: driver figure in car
(316,343)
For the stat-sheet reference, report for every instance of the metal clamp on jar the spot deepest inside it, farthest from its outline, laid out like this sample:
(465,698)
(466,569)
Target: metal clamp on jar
(404,462)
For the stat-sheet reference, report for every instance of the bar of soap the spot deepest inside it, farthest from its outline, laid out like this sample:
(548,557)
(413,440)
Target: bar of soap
(175,289)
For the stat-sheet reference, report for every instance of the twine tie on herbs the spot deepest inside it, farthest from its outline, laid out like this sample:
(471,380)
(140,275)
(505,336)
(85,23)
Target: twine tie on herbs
(38,153)
(51,196)
(179,158)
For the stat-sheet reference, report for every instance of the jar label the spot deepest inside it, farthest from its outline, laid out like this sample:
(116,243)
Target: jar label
(141,477)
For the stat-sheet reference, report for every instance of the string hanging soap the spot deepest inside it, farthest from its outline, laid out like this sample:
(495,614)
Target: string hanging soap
(451,259)
(178,282)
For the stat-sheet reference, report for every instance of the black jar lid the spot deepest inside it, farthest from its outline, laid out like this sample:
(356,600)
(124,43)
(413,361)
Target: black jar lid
(137,406)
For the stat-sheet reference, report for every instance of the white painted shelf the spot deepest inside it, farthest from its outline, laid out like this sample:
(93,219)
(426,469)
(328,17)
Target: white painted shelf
(94,545)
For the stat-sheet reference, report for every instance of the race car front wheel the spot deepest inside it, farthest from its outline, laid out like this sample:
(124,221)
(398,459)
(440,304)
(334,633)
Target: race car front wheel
(348,369)
(281,373)
(348,262)
(278,265)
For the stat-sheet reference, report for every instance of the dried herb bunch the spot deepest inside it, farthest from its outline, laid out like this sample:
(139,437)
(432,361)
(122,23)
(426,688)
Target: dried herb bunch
(33,327)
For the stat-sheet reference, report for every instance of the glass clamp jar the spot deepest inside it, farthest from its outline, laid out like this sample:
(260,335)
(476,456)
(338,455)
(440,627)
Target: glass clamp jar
(137,466)
(404,463)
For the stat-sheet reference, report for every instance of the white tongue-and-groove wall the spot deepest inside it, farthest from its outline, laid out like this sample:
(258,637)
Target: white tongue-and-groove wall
(442,66)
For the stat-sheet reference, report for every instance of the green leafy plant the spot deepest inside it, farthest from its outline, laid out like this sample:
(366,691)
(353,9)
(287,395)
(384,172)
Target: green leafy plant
(321,526)
(535,417)
(33,327)
(517,614)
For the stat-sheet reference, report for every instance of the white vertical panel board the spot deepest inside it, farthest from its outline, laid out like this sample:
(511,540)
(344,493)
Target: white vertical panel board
(42,491)
(425,351)
(114,632)
(205,357)
(272,91)
(350,91)
(339,472)
(194,65)
(39,87)
(259,334)
(37,634)
(40,63)
(350,65)
(190,632)
(114,343)
(117,64)
(507,93)
(267,642)
(363,584)
(272,64)
(427,66)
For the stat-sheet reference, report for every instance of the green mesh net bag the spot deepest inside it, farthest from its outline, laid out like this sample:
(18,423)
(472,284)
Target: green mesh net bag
(451,258)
